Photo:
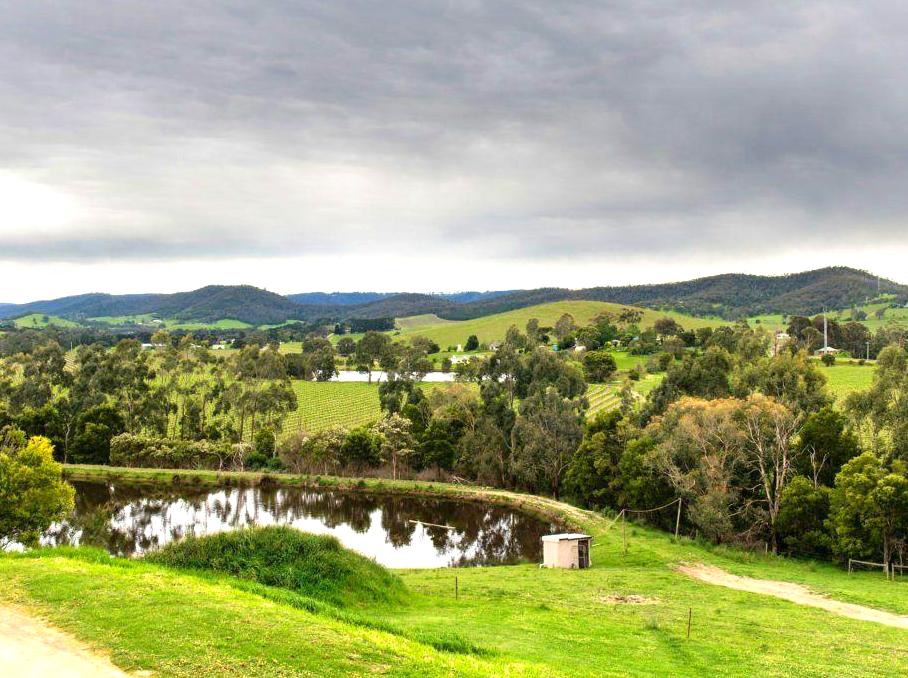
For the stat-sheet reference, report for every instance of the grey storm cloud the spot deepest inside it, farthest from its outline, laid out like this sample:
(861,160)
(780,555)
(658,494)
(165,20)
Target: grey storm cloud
(530,129)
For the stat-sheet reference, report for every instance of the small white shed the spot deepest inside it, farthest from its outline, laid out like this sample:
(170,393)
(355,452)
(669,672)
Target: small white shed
(570,551)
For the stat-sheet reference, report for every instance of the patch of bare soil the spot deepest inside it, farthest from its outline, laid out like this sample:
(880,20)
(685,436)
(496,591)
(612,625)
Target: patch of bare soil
(795,593)
(629,599)
(30,647)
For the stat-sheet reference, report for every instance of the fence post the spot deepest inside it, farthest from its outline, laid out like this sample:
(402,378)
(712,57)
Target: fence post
(456,589)
(849,566)
(624,532)
(690,616)
(678,519)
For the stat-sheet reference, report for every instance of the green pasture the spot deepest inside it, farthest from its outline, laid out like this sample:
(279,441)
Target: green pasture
(39,321)
(494,327)
(632,614)
(845,378)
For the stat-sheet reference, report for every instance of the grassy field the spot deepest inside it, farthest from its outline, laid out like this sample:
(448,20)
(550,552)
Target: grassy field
(38,321)
(844,378)
(891,316)
(626,616)
(493,327)
(172,323)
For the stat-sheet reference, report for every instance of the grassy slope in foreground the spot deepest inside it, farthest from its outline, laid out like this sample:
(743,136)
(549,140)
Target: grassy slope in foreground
(175,624)
(564,621)
(493,327)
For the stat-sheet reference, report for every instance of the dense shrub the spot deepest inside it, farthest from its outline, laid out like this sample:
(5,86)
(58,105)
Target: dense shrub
(33,493)
(314,565)
(256,461)
(147,452)
(263,442)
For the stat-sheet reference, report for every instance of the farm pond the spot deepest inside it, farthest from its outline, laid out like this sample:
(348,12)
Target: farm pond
(397,531)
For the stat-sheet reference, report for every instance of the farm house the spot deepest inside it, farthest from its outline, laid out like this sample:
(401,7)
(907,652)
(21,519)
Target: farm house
(569,551)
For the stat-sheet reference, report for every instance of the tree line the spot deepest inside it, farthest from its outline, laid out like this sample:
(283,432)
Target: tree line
(742,430)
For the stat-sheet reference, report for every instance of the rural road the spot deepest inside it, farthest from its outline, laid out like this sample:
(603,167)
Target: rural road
(30,647)
(794,593)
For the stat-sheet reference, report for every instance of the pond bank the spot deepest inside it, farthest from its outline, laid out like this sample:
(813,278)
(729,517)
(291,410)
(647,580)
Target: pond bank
(570,517)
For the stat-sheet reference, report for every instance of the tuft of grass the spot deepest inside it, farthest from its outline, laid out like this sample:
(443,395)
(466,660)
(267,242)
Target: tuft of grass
(316,566)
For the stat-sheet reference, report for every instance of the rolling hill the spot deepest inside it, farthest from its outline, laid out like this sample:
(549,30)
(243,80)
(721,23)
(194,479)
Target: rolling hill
(729,296)
(493,327)
(362,298)
(206,305)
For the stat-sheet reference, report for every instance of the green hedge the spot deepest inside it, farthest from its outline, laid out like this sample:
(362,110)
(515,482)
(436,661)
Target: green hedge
(147,452)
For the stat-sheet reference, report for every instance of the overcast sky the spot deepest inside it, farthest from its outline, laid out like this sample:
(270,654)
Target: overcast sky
(439,146)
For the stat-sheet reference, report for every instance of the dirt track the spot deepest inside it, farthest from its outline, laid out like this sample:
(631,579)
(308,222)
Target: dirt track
(29,647)
(794,593)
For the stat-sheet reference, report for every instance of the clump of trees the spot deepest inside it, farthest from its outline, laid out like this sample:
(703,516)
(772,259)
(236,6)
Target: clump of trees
(517,426)
(179,391)
(146,452)
(747,437)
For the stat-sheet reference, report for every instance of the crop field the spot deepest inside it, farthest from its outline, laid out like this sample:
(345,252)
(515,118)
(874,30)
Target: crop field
(602,398)
(329,403)
(324,404)
(606,397)
(493,327)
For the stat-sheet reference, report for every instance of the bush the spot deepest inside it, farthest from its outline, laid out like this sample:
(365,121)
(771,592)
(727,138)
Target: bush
(146,452)
(828,359)
(599,366)
(263,442)
(256,461)
(313,565)
(32,491)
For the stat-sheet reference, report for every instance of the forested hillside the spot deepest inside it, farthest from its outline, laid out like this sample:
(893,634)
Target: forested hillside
(208,304)
(728,296)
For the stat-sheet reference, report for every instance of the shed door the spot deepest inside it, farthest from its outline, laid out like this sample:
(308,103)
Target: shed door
(583,553)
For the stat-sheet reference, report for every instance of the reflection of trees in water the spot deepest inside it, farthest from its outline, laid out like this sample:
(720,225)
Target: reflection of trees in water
(126,519)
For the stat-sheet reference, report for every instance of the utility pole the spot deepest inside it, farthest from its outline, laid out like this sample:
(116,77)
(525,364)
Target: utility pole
(868,350)
(825,332)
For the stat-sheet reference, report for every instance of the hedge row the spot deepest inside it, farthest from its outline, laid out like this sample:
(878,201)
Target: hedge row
(146,452)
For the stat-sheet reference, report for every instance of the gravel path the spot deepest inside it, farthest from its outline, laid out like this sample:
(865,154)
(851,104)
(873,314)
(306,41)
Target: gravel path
(29,647)
(794,593)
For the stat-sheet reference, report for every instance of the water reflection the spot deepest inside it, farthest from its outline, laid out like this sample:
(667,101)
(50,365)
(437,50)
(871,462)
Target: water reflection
(129,519)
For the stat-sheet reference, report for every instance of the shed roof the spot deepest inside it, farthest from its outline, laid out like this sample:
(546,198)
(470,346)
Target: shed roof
(567,536)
